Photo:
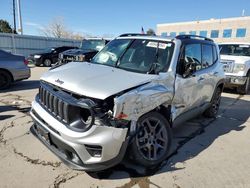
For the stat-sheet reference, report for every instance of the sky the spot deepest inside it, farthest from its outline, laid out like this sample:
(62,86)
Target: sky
(114,17)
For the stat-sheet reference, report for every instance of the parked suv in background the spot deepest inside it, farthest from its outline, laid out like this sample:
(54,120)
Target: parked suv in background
(48,56)
(236,60)
(127,99)
(88,49)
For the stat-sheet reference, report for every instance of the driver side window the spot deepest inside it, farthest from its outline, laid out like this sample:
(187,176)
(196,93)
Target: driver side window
(192,55)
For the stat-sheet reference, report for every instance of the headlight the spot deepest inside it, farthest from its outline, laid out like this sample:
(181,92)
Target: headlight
(238,68)
(37,56)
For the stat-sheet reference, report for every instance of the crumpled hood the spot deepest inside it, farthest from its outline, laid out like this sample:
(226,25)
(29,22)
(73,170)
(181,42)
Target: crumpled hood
(74,52)
(94,80)
(237,59)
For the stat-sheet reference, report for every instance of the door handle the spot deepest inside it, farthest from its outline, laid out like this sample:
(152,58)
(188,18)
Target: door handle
(200,79)
(215,73)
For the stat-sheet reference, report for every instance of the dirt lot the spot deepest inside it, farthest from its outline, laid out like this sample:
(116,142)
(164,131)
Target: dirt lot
(206,153)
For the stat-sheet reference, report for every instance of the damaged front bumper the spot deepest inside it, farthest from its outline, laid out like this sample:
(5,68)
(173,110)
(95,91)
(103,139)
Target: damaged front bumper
(98,148)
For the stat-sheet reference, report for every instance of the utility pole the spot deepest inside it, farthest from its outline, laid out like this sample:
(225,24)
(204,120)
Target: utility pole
(14,14)
(20,29)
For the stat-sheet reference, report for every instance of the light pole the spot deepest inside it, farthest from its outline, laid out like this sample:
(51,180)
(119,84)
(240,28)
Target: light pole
(20,29)
(14,14)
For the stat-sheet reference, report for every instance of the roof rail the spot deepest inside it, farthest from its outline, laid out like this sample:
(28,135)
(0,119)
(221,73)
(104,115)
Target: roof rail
(133,34)
(192,36)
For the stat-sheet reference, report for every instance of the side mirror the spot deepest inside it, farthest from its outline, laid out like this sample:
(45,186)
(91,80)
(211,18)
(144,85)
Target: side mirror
(189,69)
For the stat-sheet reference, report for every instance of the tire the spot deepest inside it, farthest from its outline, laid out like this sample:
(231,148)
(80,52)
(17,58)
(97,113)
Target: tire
(245,88)
(152,143)
(212,111)
(5,80)
(47,62)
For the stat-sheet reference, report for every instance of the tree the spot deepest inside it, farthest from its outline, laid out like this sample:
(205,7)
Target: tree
(5,27)
(150,32)
(58,29)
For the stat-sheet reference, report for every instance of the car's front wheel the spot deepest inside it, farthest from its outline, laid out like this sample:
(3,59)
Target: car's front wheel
(5,79)
(152,143)
(47,62)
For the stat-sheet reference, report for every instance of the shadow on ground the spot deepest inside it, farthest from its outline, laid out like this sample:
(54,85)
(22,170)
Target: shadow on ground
(231,117)
(23,85)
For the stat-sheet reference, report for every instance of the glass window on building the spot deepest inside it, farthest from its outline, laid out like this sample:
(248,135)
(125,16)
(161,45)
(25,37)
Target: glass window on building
(164,34)
(182,33)
(227,33)
(203,33)
(172,34)
(192,32)
(241,32)
(214,34)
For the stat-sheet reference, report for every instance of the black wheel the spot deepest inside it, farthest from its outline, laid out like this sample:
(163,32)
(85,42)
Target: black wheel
(5,79)
(152,143)
(215,104)
(245,88)
(47,62)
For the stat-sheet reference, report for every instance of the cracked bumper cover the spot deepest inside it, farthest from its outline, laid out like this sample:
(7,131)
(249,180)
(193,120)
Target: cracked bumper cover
(70,146)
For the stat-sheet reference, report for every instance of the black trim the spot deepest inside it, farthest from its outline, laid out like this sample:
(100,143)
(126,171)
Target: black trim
(133,35)
(192,36)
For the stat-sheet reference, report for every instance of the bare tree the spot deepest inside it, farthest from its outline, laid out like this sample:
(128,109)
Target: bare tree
(56,28)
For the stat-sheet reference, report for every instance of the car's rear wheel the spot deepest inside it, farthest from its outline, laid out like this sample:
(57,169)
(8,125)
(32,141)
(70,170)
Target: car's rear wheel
(245,88)
(212,111)
(151,144)
(5,79)
(47,62)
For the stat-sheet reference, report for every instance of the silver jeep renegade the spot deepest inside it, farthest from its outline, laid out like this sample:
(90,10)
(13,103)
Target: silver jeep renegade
(127,99)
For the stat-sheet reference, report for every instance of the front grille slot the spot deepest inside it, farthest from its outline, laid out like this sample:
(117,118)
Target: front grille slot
(55,105)
(72,111)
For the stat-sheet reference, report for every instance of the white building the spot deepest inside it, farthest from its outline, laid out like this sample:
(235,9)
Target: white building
(220,30)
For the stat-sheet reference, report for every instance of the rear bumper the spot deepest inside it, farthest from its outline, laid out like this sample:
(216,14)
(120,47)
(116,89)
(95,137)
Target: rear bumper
(76,149)
(21,74)
(235,81)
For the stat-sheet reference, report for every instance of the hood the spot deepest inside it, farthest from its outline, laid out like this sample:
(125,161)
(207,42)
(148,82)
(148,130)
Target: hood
(236,59)
(73,52)
(94,80)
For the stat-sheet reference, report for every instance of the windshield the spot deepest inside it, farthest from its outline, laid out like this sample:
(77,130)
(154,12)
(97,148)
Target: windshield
(48,50)
(92,44)
(235,49)
(136,55)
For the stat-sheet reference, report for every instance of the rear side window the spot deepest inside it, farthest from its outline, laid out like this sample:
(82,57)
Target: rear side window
(207,55)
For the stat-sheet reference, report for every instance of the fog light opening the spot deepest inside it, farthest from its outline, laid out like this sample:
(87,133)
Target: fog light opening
(94,151)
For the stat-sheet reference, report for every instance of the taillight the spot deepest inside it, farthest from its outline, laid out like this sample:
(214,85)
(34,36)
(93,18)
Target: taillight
(26,62)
